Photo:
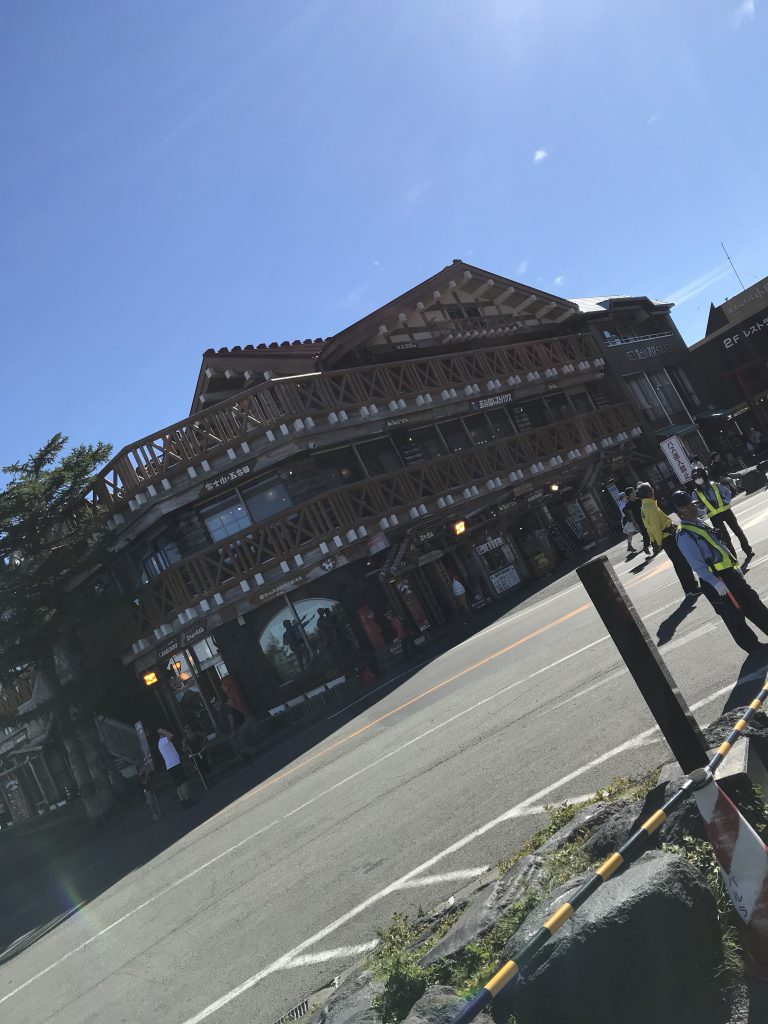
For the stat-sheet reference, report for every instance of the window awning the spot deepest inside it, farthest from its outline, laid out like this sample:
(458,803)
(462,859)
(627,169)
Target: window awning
(680,429)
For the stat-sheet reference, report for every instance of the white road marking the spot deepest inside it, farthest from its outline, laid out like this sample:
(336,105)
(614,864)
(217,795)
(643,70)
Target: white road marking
(448,876)
(340,952)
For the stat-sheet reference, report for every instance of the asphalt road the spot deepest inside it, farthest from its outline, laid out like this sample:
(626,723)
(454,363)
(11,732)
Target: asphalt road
(415,791)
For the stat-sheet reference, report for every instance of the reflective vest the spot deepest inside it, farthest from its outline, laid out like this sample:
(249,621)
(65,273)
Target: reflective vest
(727,560)
(712,509)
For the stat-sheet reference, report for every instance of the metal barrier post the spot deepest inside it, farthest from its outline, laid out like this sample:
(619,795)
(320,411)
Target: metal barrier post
(644,662)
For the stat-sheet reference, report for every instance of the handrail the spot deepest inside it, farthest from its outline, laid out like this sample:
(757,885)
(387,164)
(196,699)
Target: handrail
(271,403)
(333,513)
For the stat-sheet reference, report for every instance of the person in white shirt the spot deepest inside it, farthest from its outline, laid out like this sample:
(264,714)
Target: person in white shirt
(174,767)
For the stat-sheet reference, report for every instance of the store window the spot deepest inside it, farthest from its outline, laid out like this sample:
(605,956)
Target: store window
(308,640)
(499,424)
(225,517)
(418,445)
(581,403)
(478,429)
(455,435)
(682,382)
(162,555)
(668,396)
(645,397)
(558,407)
(266,499)
(379,457)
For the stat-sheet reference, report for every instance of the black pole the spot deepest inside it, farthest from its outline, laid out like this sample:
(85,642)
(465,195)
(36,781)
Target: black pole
(644,662)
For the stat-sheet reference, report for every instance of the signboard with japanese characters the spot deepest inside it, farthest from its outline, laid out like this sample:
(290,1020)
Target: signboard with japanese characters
(505,579)
(677,457)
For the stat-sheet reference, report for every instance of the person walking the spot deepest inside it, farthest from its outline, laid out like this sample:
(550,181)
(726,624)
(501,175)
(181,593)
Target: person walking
(722,581)
(715,499)
(635,507)
(174,767)
(194,746)
(663,533)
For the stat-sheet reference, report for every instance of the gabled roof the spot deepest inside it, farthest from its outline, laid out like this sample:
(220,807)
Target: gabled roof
(457,275)
(279,358)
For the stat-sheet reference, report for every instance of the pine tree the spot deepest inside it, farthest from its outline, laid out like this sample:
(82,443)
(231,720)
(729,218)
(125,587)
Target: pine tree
(51,544)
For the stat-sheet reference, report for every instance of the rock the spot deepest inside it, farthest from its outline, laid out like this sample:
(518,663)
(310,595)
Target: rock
(352,1003)
(489,905)
(609,835)
(644,947)
(438,1005)
(585,819)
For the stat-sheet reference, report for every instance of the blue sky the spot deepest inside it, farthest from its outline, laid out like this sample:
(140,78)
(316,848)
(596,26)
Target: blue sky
(179,174)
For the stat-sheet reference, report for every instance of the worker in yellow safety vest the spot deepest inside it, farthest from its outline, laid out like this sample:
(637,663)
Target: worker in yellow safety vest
(722,581)
(714,500)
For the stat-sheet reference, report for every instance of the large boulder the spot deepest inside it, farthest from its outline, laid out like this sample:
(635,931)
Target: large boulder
(645,947)
(352,1003)
(438,1005)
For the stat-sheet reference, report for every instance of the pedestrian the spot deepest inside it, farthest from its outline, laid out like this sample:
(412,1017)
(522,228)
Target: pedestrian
(459,595)
(194,745)
(722,581)
(715,500)
(754,441)
(292,640)
(663,533)
(635,507)
(175,768)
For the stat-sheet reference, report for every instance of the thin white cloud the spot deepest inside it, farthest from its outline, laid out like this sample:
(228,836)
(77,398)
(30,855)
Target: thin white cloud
(745,12)
(559,279)
(522,267)
(539,155)
(376,263)
(699,284)
(653,118)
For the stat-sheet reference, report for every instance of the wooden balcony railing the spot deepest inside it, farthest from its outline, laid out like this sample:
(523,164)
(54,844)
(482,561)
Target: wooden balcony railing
(275,402)
(302,528)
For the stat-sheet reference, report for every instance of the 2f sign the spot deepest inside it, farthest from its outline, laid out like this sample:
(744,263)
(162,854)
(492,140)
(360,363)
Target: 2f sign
(677,457)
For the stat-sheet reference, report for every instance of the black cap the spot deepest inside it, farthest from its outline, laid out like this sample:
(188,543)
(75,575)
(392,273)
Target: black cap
(681,499)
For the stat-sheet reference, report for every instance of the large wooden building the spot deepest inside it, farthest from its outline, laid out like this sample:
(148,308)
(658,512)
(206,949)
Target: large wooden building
(312,512)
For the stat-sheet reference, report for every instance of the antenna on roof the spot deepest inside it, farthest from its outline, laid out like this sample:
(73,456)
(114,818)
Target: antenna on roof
(732,266)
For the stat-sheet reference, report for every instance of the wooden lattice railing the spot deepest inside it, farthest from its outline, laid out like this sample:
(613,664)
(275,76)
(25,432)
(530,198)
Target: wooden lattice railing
(275,402)
(301,529)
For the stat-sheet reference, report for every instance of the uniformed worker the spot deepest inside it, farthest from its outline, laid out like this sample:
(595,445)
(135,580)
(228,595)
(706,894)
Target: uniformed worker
(714,500)
(661,531)
(722,581)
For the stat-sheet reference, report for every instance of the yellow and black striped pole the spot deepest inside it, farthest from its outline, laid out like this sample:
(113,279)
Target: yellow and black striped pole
(624,855)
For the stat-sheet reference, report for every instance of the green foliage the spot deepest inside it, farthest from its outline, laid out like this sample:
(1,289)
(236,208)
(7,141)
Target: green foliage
(49,536)
(559,815)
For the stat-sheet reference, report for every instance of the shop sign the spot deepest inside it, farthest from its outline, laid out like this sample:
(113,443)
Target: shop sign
(648,352)
(283,588)
(747,298)
(194,634)
(491,401)
(403,346)
(425,535)
(399,421)
(489,545)
(677,457)
(146,753)
(506,506)
(226,478)
(169,648)
(552,386)
(505,579)
(749,330)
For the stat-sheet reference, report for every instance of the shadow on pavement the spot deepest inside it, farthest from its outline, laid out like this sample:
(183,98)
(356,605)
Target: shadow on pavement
(667,628)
